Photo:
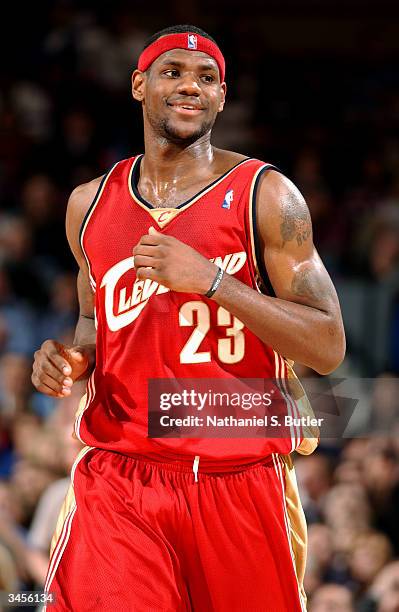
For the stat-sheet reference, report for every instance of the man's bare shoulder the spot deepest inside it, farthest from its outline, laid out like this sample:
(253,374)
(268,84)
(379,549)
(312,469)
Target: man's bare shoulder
(282,212)
(225,160)
(79,203)
(82,197)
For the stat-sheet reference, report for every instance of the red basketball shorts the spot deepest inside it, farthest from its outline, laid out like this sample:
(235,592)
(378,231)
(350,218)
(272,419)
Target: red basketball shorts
(140,536)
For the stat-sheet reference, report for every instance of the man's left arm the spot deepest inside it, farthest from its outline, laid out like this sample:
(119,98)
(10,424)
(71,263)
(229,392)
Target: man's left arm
(303,322)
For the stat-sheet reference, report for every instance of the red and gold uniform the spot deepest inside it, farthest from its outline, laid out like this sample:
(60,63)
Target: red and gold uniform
(139,532)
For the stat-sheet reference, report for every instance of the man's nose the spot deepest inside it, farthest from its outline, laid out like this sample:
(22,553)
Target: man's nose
(189,85)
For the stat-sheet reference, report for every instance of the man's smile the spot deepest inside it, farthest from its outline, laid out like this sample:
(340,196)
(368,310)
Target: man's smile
(186,108)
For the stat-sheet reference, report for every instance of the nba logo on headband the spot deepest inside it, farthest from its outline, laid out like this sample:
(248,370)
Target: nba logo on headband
(183,40)
(191,41)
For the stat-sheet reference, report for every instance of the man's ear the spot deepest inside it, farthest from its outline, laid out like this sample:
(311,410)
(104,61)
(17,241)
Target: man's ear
(223,89)
(138,85)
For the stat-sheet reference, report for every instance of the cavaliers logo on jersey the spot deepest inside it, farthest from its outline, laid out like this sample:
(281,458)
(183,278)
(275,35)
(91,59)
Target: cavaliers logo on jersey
(124,300)
(163,216)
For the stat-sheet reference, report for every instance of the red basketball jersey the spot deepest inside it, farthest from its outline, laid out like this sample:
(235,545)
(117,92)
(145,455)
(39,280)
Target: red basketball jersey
(145,331)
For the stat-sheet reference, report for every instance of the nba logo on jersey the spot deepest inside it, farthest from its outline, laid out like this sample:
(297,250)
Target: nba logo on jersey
(191,41)
(228,198)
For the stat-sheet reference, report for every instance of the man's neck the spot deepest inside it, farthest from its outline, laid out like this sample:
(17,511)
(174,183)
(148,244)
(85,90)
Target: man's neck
(166,162)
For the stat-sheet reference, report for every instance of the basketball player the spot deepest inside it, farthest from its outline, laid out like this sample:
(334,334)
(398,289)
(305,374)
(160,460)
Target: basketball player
(194,262)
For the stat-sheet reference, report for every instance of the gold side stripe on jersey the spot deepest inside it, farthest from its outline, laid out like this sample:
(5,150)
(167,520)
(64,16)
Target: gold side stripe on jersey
(280,373)
(310,435)
(294,519)
(84,403)
(64,525)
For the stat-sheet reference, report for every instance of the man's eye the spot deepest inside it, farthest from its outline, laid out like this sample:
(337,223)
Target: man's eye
(172,73)
(208,78)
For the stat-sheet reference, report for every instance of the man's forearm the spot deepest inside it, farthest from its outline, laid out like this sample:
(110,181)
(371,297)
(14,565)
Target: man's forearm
(85,338)
(301,333)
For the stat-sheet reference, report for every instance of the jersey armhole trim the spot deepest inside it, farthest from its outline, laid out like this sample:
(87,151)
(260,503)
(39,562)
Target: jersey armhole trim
(255,242)
(87,217)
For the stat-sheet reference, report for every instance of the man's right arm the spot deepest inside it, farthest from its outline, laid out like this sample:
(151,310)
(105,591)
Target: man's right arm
(57,366)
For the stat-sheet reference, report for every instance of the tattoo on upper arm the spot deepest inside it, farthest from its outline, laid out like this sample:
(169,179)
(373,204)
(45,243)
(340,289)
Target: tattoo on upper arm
(295,220)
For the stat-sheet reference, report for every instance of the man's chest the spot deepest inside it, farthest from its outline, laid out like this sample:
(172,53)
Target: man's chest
(173,194)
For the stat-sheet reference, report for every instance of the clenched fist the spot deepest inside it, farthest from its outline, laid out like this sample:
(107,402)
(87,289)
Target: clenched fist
(172,263)
(57,366)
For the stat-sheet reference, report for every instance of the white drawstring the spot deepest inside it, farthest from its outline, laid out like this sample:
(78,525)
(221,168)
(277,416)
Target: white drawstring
(195,467)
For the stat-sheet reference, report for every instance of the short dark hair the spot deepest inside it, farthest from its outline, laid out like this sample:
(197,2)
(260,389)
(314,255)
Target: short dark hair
(178,29)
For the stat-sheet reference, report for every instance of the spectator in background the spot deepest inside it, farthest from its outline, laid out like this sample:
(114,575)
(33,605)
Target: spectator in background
(384,252)
(385,589)
(61,314)
(347,512)
(32,107)
(319,556)
(15,388)
(376,239)
(370,553)
(43,208)
(384,408)
(79,147)
(381,479)
(332,598)
(17,320)
(314,479)
(16,255)
(8,571)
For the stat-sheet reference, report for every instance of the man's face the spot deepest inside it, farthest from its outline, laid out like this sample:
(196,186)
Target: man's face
(181,94)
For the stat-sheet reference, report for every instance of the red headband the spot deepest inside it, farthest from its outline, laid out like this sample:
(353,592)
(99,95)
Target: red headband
(186,40)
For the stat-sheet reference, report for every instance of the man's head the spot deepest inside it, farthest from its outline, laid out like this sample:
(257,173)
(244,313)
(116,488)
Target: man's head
(332,598)
(180,83)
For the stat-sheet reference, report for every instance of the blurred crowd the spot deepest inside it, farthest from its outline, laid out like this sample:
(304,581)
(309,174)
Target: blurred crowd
(350,498)
(331,124)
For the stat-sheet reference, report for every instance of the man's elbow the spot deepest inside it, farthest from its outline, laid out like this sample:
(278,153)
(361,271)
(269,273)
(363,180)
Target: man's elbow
(334,352)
